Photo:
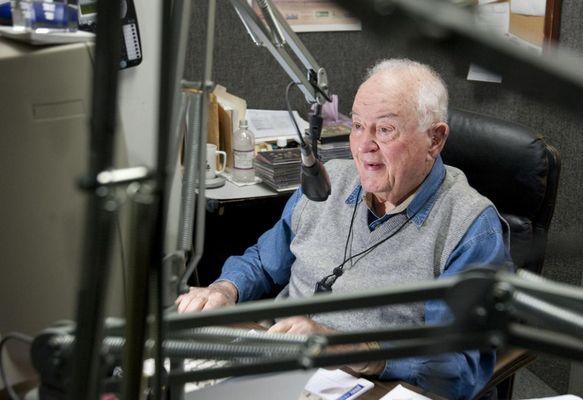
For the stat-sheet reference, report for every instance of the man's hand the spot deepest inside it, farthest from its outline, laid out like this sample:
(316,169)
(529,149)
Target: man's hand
(306,326)
(299,325)
(219,294)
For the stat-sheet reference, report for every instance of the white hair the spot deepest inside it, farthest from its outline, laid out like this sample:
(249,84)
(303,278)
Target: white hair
(432,97)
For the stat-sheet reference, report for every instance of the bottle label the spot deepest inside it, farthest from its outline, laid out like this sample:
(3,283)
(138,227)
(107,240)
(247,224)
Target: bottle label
(243,159)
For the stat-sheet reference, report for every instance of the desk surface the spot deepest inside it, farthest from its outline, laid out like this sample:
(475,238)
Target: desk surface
(230,191)
(285,386)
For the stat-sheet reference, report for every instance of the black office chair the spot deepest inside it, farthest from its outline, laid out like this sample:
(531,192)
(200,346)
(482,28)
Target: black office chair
(519,172)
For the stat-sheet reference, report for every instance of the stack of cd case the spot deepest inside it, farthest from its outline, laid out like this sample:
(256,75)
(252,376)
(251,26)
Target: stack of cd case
(279,169)
(329,151)
(334,142)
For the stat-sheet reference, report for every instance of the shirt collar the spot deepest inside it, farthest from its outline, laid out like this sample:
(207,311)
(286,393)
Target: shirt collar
(423,199)
(368,199)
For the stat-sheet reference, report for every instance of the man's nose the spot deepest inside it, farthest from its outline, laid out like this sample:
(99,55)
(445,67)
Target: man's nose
(368,143)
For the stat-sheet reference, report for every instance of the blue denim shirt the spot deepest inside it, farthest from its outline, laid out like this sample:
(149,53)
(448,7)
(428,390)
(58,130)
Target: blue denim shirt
(460,375)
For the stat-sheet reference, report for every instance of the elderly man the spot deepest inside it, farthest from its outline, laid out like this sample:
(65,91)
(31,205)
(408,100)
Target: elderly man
(396,215)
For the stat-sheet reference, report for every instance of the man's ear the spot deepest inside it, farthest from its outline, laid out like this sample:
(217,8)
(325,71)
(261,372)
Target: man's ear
(438,134)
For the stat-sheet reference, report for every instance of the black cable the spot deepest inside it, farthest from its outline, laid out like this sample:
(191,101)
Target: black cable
(351,225)
(374,246)
(12,335)
(291,114)
(325,284)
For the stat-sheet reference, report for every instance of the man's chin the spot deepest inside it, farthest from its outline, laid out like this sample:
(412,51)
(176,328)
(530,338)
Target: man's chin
(371,187)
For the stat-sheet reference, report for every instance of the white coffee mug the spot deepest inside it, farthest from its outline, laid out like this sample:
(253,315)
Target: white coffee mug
(211,161)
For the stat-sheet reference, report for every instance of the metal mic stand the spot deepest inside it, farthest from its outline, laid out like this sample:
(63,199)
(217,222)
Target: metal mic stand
(175,15)
(100,208)
(490,309)
(102,204)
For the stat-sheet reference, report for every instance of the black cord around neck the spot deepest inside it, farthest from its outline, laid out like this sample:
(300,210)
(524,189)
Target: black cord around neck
(325,284)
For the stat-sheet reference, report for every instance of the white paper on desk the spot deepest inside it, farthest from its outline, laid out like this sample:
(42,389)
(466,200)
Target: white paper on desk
(402,393)
(333,384)
(529,7)
(273,124)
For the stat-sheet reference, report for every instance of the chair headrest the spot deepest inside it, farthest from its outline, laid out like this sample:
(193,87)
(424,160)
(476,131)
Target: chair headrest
(504,161)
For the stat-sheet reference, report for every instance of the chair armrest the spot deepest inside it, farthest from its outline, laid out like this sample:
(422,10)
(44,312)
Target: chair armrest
(508,362)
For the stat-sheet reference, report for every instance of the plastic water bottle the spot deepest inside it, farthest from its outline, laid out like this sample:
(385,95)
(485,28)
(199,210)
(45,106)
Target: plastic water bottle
(243,154)
(45,15)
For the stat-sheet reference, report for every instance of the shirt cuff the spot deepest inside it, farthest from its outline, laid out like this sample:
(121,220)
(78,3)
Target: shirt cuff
(404,369)
(238,280)
(231,282)
(400,369)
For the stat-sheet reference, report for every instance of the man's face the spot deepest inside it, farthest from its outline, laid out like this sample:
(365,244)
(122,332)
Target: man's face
(391,154)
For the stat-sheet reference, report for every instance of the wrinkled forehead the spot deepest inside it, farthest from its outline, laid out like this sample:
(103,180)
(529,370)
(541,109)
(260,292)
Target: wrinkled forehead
(390,93)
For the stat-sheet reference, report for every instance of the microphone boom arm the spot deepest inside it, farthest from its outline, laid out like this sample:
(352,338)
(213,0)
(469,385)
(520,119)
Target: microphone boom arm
(483,303)
(274,34)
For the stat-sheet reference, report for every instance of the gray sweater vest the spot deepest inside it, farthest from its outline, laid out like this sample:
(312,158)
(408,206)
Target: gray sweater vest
(415,253)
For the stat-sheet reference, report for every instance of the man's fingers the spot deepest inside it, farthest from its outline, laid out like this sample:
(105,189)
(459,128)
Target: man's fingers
(196,304)
(190,302)
(202,300)
(199,298)
(184,301)
(300,325)
(282,326)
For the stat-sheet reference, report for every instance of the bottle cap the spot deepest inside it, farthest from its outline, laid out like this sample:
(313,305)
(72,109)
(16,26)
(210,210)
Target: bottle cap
(281,142)
(243,123)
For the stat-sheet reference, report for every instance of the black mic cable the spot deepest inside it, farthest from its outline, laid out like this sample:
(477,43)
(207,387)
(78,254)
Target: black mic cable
(325,284)
(315,181)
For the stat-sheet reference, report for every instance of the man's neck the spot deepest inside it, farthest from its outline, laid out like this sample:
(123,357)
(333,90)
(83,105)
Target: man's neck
(382,207)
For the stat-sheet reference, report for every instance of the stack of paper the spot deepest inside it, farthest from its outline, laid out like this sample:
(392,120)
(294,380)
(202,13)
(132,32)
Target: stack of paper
(402,393)
(270,125)
(336,385)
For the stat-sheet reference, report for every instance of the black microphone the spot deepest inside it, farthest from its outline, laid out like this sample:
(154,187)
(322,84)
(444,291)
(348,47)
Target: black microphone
(314,178)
